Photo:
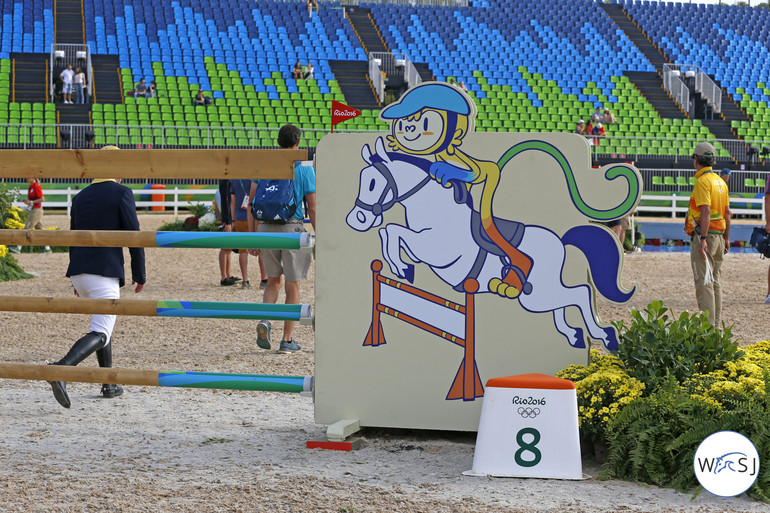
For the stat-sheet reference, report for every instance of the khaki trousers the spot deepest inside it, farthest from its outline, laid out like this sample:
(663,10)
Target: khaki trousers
(34,219)
(708,289)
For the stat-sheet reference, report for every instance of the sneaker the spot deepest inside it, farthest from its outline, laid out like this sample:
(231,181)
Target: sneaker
(289,347)
(227,282)
(246,285)
(235,279)
(767,300)
(111,391)
(14,249)
(263,284)
(263,334)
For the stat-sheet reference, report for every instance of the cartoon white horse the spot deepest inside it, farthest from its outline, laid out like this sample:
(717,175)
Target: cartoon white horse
(442,230)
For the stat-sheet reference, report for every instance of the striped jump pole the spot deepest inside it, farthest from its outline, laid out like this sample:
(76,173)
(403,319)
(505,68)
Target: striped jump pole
(259,311)
(146,239)
(176,379)
(467,383)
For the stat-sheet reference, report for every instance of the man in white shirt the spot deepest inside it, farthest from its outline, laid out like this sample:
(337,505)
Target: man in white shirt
(66,77)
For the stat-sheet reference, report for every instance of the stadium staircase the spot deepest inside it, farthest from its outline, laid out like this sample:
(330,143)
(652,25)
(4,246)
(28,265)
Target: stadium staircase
(107,81)
(353,76)
(353,79)
(29,77)
(650,84)
(637,36)
(367,32)
(69,21)
(424,70)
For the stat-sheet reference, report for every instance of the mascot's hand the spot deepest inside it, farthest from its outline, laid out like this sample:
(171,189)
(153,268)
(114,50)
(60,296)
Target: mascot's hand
(444,172)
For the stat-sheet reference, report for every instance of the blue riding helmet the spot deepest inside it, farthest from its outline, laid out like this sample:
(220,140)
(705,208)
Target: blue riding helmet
(433,95)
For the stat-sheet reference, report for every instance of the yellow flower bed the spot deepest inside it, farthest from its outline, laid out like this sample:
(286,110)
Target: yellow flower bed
(603,389)
(737,381)
(13,224)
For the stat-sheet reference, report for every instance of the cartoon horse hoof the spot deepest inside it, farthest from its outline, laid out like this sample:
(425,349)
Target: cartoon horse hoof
(611,340)
(409,273)
(578,338)
(497,286)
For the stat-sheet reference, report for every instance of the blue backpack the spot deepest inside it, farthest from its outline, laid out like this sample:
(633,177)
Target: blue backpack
(274,201)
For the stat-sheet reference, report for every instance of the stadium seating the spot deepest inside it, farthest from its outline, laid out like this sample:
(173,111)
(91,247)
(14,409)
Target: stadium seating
(537,67)
(726,41)
(28,26)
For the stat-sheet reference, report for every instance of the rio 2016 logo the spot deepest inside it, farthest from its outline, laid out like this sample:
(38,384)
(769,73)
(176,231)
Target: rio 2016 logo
(726,463)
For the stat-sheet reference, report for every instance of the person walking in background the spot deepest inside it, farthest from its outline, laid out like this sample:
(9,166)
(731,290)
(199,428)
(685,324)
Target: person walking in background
(292,264)
(767,229)
(98,272)
(79,82)
(239,208)
(34,201)
(67,76)
(226,279)
(708,225)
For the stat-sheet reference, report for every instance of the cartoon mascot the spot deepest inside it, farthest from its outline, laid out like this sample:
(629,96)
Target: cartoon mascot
(432,119)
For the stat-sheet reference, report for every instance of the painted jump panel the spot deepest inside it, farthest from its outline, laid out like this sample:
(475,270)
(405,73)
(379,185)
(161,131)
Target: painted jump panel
(275,164)
(467,382)
(130,239)
(217,310)
(175,379)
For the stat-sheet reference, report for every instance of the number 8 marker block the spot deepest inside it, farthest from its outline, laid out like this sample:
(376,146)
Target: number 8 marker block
(528,428)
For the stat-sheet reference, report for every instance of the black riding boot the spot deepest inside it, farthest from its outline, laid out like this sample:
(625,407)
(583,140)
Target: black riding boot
(85,346)
(104,355)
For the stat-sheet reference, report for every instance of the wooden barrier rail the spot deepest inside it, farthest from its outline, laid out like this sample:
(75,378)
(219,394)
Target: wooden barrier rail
(130,239)
(228,164)
(259,311)
(153,378)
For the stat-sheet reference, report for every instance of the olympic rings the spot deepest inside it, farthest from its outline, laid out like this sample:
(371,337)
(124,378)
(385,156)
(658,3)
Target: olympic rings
(528,413)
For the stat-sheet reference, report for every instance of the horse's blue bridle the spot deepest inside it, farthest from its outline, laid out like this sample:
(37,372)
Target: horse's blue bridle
(381,205)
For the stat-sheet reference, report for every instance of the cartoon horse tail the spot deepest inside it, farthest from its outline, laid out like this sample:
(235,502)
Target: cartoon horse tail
(619,170)
(601,251)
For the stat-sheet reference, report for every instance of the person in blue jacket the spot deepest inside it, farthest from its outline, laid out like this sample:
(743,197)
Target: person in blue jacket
(98,272)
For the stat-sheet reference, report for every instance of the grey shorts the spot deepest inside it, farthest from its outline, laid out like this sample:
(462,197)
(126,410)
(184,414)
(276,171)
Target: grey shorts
(66,88)
(289,262)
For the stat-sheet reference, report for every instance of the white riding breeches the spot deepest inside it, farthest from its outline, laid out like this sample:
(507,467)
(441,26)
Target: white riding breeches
(98,287)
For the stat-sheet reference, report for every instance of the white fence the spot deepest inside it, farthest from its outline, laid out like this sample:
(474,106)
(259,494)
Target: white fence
(175,202)
(674,206)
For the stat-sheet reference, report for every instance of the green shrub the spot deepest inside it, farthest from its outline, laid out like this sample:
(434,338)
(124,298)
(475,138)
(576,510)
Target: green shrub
(654,439)
(654,346)
(10,270)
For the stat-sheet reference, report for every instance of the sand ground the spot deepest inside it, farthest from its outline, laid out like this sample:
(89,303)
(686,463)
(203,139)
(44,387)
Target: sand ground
(199,450)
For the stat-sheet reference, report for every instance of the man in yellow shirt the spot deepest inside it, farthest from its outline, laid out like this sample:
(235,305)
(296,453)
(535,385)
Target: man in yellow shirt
(708,225)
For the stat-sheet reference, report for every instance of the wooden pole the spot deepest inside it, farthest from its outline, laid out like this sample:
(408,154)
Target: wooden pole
(78,305)
(79,374)
(228,164)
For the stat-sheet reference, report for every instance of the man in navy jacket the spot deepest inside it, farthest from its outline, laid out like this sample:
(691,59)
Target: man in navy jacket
(97,272)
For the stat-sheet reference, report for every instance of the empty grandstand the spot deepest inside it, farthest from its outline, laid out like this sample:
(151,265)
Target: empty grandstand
(671,73)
